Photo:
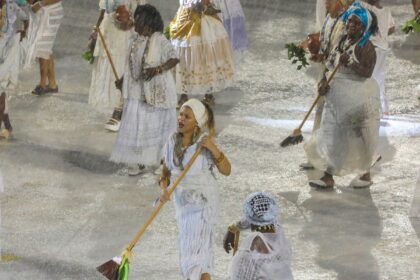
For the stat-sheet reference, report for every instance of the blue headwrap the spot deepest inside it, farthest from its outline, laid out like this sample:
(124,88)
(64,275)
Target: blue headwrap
(21,2)
(261,209)
(356,9)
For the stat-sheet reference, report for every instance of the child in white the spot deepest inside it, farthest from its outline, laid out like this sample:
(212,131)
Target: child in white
(264,254)
(386,26)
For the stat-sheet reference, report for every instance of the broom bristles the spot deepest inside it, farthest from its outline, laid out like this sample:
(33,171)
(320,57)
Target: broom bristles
(109,269)
(292,140)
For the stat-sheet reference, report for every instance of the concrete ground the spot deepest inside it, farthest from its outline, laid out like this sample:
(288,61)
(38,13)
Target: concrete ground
(66,209)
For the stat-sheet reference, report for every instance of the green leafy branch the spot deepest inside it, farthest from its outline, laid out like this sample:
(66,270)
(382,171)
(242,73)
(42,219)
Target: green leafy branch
(412,26)
(297,55)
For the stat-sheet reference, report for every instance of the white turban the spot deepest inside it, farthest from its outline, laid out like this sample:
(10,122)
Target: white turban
(199,110)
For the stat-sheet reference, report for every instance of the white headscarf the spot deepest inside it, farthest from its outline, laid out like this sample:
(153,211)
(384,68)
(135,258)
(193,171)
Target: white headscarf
(199,110)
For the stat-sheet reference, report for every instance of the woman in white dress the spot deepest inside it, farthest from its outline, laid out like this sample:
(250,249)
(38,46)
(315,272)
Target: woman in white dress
(44,25)
(346,141)
(116,30)
(149,94)
(196,199)
(265,253)
(11,48)
(206,57)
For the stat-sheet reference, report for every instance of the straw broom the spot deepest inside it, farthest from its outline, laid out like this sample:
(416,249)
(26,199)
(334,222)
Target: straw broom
(118,268)
(296,137)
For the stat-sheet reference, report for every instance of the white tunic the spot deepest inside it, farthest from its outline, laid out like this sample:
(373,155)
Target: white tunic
(248,264)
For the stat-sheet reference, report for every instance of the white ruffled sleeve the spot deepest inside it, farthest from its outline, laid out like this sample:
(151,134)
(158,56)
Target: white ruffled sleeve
(168,51)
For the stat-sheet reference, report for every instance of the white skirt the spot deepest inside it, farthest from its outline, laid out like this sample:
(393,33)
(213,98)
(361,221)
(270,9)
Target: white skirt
(196,204)
(143,133)
(206,61)
(347,140)
(43,28)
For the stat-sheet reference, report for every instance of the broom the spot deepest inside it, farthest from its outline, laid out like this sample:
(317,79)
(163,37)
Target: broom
(118,267)
(108,54)
(296,137)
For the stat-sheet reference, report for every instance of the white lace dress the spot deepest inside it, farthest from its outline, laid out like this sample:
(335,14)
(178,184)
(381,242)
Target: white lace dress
(146,127)
(102,93)
(248,264)
(12,50)
(196,203)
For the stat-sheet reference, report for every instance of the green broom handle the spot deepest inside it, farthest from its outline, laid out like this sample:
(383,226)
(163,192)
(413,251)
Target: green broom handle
(318,98)
(108,54)
(157,210)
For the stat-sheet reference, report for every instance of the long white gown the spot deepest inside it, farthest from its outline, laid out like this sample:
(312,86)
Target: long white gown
(149,115)
(196,203)
(204,49)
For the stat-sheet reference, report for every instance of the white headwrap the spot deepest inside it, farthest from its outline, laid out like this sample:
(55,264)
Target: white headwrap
(199,110)
(261,209)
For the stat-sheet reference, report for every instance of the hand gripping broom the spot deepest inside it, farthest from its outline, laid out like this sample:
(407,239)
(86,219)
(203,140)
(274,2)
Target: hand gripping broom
(296,137)
(118,267)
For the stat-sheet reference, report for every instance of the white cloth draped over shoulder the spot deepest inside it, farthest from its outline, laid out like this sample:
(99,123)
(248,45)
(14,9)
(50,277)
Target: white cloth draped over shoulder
(196,201)
(249,264)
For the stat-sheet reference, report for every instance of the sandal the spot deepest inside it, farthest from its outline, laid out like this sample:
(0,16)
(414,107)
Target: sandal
(38,90)
(322,183)
(52,90)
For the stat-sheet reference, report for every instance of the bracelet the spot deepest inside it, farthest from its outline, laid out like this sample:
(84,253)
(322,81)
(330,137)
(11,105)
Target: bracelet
(167,180)
(220,159)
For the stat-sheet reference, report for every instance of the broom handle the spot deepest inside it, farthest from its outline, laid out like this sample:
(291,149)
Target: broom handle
(318,97)
(160,206)
(108,54)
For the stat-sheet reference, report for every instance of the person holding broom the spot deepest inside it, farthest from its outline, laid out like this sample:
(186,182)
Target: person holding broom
(346,141)
(115,23)
(331,32)
(149,94)
(196,199)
